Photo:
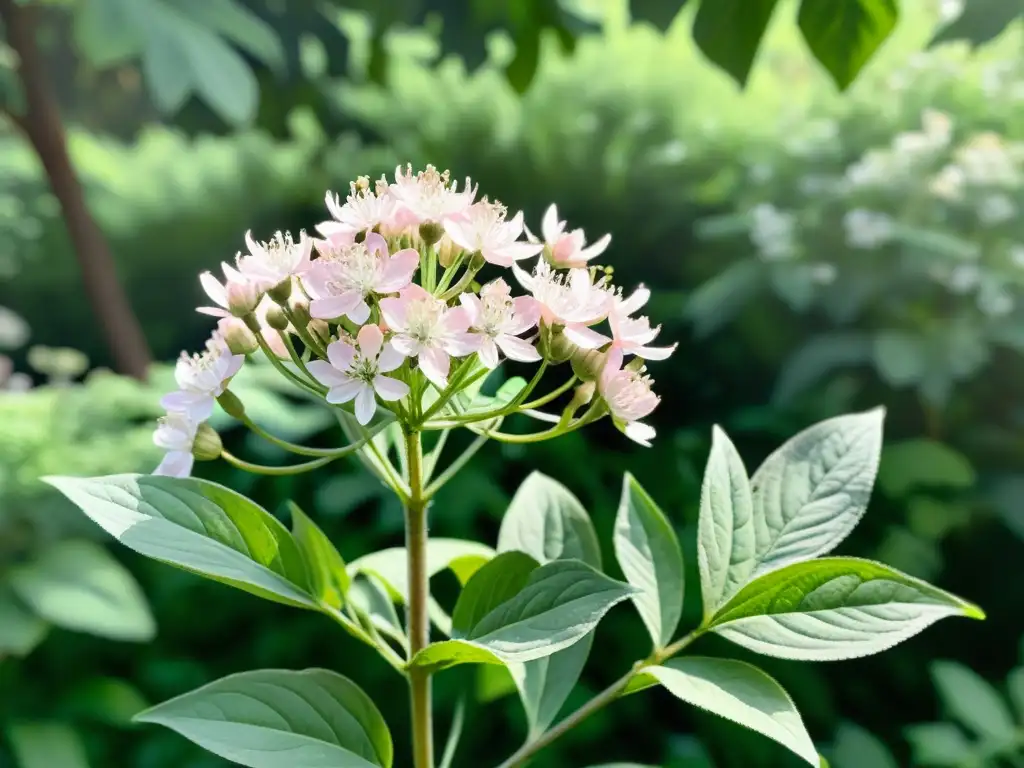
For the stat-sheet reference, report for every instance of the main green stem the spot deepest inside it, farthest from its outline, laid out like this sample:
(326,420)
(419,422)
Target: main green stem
(419,596)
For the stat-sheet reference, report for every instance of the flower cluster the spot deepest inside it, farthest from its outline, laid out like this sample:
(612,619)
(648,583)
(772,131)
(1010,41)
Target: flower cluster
(400,303)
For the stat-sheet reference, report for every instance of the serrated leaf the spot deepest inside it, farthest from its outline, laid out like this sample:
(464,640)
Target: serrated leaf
(939,744)
(854,747)
(739,692)
(46,745)
(199,526)
(560,603)
(729,33)
(329,579)
(281,719)
(968,698)
(726,537)
(810,493)
(844,34)
(20,629)
(910,464)
(495,583)
(834,608)
(77,585)
(648,552)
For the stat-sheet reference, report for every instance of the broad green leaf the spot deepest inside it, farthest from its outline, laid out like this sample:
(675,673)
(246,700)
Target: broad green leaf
(739,692)
(726,536)
(820,356)
(980,21)
(968,698)
(199,526)
(371,598)
(107,31)
(854,747)
(834,608)
(46,745)
(545,684)
(559,605)
(844,34)
(548,523)
(77,585)
(237,23)
(657,12)
(329,579)
(20,629)
(1015,685)
(940,744)
(648,553)
(462,557)
(914,463)
(495,583)
(729,33)
(108,700)
(281,719)
(900,357)
(810,493)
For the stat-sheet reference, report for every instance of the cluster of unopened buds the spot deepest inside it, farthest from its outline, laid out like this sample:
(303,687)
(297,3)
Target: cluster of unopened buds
(400,306)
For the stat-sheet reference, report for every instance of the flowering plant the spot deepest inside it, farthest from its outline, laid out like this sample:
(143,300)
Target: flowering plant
(391,319)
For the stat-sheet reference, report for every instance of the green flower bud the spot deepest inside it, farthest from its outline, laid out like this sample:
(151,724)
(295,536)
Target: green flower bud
(207,445)
(588,363)
(237,336)
(319,329)
(277,319)
(431,232)
(231,404)
(281,291)
(477,262)
(553,345)
(299,308)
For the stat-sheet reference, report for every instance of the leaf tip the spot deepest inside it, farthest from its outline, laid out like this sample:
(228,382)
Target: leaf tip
(972,611)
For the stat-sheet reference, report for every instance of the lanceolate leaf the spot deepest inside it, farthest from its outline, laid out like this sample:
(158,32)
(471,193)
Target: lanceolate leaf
(648,552)
(281,719)
(970,699)
(198,526)
(328,577)
(834,608)
(20,629)
(729,32)
(46,745)
(500,580)
(844,34)
(545,684)
(810,493)
(463,557)
(739,692)
(726,547)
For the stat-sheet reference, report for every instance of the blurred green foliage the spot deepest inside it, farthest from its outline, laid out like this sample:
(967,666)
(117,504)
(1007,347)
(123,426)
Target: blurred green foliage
(629,133)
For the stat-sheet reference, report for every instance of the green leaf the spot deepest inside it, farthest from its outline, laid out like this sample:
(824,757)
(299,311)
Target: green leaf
(968,698)
(199,526)
(371,597)
(834,608)
(648,553)
(108,700)
(46,745)
(281,719)
(77,585)
(844,34)
(980,21)
(855,747)
(729,33)
(548,523)
(20,629)
(545,684)
(820,356)
(560,603)
(901,358)
(495,583)
(940,744)
(462,557)
(658,12)
(1015,684)
(911,464)
(739,692)
(810,493)
(726,536)
(240,25)
(329,579)
(107,31)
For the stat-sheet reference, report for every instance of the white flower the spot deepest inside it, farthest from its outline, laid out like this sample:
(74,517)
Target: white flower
(427,329)
(340,281)
(948,184)
(566,249)
(570,299)
(483,228)
(175,433)
(428,196)
(356,374)
(497,320)
(867,229)
(202,378)
(629,397)
(987,160)
(275,261)
(631,335)
(363,209)
(237,295)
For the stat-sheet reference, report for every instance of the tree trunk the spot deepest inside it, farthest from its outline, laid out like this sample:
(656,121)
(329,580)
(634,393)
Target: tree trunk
(44,128)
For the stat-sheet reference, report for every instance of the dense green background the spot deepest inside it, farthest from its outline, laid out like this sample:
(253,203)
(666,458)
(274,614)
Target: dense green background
(631,132)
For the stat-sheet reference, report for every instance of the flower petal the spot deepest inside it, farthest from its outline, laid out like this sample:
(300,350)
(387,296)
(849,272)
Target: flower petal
(456,320)
(654,353)
(517,349)
(213,311)
(341,354)
(334,306)
(176,464)
(488,352)
(406,345)
(462,344)
(394,311)
(460,235)
(549,225)
(376,244)
(326,373)
(366,404)
(390,358)
(639,432)
(471,303)
(398,271)
(595,249)
(389,388)
(584,337)
(525,278)
(435,365)
(360,313)
(345,391)
(214,289)
(370,339)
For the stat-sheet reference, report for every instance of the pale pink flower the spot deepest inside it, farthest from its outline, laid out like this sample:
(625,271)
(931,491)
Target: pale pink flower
(497,320)
(356,373)
(237,295)
(633,334)
(275,261)
(629,397)
(363,209)
(483,228)
(427,329)
(569,299)
(175,433)
(429,196)
(343,277)
(202,378)
(563,249)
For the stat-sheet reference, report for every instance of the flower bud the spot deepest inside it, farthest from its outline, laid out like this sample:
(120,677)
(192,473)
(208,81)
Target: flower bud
(582,396)
(553,345)
(277,319)
(636,365)
(237,336)
(431,232)
(243,297)
(447,252)
(207,445)
(319,329)
(587,364)
(299,308)
(477,262)
(231,404)
(281,291)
